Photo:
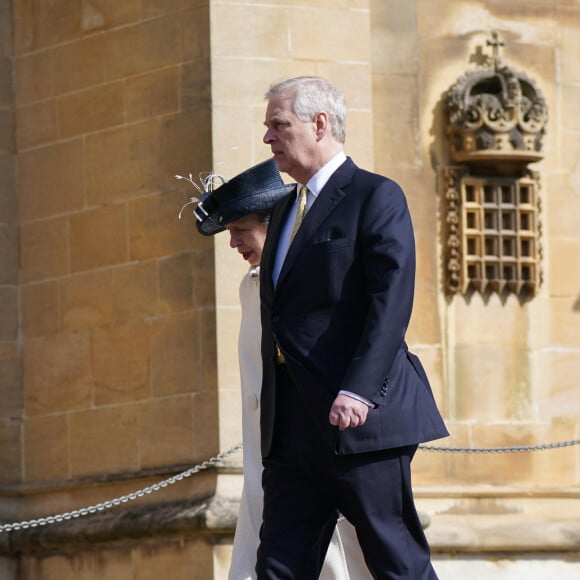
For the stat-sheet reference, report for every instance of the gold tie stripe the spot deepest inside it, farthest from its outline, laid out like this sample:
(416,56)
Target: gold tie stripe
(300,211)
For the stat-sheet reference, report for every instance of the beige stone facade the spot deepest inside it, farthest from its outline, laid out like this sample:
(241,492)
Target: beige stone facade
(118,323)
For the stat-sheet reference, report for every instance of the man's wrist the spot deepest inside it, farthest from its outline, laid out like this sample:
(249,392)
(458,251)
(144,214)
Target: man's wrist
(357,397)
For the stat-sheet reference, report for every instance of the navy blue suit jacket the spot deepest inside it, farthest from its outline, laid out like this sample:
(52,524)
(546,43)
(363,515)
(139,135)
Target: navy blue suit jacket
(340,311)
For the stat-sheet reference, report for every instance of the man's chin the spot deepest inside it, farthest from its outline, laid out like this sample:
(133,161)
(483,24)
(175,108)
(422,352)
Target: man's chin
(279,159)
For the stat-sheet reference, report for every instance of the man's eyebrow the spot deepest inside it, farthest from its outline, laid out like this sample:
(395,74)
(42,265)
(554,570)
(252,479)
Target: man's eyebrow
(276,121)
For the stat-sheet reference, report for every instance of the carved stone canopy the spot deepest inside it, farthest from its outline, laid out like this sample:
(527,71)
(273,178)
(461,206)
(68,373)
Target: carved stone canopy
(496,113)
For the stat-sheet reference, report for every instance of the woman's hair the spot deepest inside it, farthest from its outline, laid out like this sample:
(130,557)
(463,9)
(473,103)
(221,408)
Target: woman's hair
(311,95)
(264,216)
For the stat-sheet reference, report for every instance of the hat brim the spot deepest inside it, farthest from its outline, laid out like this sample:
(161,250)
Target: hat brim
(242,206)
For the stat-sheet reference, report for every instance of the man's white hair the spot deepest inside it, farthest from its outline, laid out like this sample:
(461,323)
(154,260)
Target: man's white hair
(312,95)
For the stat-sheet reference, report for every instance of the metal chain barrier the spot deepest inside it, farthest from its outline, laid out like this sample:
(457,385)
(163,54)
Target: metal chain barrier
(120,500)
(221,456)
(516,449)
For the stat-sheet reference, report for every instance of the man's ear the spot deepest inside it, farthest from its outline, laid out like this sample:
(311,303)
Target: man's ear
(322,124)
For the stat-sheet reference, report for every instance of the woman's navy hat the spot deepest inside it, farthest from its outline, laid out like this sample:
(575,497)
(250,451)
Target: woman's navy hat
(255,190)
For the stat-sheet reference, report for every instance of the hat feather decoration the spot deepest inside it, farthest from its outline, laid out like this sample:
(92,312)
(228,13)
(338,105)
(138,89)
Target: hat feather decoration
(255,190)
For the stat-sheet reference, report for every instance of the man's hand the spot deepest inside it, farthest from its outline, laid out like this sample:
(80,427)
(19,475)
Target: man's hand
(347,412)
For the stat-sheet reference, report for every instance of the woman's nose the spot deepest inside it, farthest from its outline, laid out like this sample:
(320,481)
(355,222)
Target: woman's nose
(234,242)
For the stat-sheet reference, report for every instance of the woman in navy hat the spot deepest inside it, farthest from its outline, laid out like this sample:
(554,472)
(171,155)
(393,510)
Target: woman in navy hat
(242,206)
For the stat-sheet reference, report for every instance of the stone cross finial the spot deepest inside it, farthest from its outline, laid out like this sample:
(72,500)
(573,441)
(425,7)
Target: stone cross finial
(495,42)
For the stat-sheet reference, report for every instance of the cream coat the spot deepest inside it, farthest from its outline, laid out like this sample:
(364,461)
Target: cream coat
(344,560)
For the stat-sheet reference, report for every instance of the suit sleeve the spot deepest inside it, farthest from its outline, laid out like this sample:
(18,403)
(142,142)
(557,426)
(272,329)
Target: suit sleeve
(387,251)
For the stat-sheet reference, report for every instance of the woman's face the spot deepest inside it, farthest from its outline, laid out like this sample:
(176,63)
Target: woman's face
(247,235)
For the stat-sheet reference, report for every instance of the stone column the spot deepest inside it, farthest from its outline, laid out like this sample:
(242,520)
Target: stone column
(11,395)
(10,355)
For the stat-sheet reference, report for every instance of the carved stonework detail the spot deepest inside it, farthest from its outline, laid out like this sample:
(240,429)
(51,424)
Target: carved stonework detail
(497,119)
(452,177)
(496,112)
(495,246)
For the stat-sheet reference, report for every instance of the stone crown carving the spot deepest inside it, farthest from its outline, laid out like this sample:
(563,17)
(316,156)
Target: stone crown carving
(496,113)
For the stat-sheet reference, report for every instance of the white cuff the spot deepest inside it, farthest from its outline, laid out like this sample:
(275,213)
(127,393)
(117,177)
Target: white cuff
(357,397)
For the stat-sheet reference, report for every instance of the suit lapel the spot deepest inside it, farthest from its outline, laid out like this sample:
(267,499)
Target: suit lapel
(330,196)
(268,259)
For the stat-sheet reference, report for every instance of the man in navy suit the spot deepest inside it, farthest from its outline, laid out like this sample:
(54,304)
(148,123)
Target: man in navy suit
(344,403)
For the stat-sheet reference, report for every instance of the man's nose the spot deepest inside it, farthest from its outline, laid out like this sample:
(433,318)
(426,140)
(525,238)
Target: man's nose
(267,138)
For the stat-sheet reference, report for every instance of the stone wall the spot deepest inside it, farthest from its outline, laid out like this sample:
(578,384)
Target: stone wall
(117,311)
(10,353)
(502,370)
(117,319)
(127,326)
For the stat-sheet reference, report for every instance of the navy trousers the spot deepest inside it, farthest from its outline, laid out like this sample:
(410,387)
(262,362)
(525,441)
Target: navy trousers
(306,486)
